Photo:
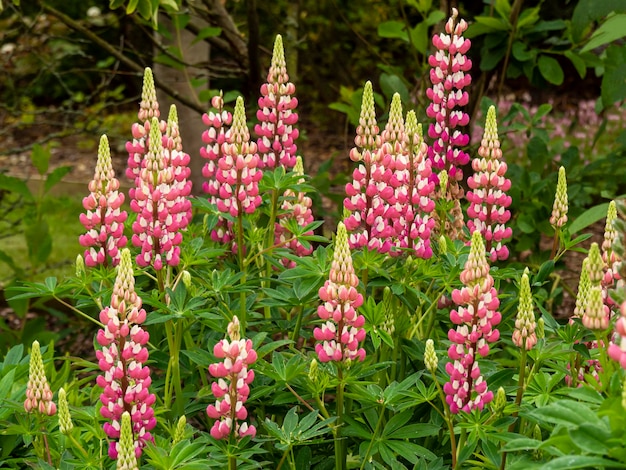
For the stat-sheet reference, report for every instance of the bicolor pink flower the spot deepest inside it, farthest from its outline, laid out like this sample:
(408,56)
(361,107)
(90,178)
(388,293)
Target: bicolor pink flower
(125,378)
(237,172)
(488,198)
(294,207)
(617,348)
(363,198)
(342,331)
(277,117)
(104,219)
(232,387)
(476,319)
(218,121)
(158,202)
(449,76)
(413,195)
(38,393)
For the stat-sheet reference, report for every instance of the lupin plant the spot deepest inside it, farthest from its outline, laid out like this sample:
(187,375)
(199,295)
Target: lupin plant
(559,210)
(122,358)
(218,121)
(297,207)
(362,199)
(158,206)
(104,219)
(476,318)
(448,76)
(232,387)
(488,196)
(413,196)
(277,117)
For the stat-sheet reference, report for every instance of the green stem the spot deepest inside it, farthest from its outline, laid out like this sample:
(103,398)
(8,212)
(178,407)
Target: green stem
(518,399)
(340,455)
(374,436)
(296,331)
(167,399)
(555,244)
(75,310)
(78,446)
(232,462)
(447,416)
(269,244)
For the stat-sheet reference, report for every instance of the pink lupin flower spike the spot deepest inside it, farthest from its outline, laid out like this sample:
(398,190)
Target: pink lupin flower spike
(362,190)
(232,387)
(237,173)
(476,319)
(38,393)
(156,229)
(125,379)
(148,109)
(178,162)
(488,199)
(414,224)
(277,117)
(104,219)
(342,331)
(449,77)
(298,207)
(217,134)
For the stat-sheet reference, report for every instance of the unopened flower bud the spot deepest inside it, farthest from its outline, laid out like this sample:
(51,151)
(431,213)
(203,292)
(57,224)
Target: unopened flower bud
(186,277)
(179,433)
(443,245)
(430,356)
(314,371)
(65,419)
(500,401)
(443,182)
(541,328)
(80,266)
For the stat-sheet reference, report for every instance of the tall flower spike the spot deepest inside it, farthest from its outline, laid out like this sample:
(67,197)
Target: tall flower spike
(125,378)
(449,76)
(65,419)
(413,196)
(342,331)
(218,121)
(524,334)
(360,193)
(178,162)
(476,319)
(295,207)
(157,204)
(148,109)
(231,389)
(276,114)
(238,175)
(104,219)
(127,460)
(560,206)
(38,393)
(488,199)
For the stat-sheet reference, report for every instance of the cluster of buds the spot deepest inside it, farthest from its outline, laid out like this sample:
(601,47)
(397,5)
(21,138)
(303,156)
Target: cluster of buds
(560,206)
(524,336)
(342,331)
(448,74)
(476,319)
(160,207)
(596,315)
(295,207)
(232,387)
(125,379)
(104,219)
(38,393)
(276,115)
(218,122)
(488,199)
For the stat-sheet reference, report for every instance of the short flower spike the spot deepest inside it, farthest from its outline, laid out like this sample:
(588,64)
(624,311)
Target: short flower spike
(65,419)
(38,393)
(524,334)
(560,206)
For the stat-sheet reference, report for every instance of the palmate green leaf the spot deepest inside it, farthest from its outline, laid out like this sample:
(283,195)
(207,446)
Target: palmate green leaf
(523,443)
(567,413)
(591,439)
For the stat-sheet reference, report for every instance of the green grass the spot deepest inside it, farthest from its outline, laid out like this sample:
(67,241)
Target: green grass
(61,213)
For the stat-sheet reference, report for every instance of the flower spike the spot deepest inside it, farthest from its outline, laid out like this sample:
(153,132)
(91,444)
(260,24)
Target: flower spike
(38,393)
(560,206)
(524,334)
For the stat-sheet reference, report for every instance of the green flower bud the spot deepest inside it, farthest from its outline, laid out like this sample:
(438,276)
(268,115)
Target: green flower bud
(186,277)
(541,328)
(499,401)
(443,245)
(430,356)
(80,266)
(179,433)
(314,371)
(65,419)
(443,182)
